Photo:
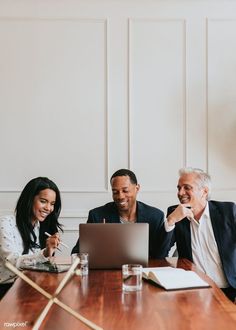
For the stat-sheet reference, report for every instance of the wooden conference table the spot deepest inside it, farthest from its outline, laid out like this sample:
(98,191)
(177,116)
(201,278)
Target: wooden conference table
(99,298)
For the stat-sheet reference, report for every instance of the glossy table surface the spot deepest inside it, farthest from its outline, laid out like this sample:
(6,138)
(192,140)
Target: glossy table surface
(99,298)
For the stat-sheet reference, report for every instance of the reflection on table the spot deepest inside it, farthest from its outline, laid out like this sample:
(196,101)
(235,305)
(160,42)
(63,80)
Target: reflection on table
(99,298)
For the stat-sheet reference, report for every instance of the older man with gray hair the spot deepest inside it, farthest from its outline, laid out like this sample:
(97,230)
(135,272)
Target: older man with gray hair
(204,230)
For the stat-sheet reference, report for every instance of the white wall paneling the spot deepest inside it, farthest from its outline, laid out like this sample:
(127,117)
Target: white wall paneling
(157,115)
(87,87)
(48,69)
(222,102)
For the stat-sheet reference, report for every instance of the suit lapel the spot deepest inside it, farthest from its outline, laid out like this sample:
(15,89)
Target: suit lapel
(216,222)
(139,212)
(113,214)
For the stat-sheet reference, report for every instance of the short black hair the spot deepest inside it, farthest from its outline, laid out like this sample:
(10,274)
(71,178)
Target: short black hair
(125,172)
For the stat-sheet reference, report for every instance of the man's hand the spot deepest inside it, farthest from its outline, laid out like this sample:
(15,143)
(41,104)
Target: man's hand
(182,211)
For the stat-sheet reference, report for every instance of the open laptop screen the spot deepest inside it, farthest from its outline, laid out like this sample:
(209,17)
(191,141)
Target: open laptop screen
(111,245)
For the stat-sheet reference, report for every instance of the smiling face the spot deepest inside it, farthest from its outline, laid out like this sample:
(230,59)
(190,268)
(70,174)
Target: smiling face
(43,204)
(124,194)
(191,192)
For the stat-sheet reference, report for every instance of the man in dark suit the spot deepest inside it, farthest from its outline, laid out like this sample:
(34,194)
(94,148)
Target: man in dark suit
(204,231)
(126,209)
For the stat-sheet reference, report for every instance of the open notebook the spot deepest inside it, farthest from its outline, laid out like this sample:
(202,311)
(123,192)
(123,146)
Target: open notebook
(174,278)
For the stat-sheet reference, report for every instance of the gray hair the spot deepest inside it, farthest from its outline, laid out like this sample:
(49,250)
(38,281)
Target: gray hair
(204,179)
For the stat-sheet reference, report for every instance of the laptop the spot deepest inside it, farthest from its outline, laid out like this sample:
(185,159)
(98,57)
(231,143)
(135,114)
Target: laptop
(110,245)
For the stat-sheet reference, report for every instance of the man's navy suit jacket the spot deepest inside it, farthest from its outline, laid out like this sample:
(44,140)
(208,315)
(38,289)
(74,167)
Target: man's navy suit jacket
(145,214)
(223,219)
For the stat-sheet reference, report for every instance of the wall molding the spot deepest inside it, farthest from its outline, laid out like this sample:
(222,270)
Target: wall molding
(70,229)
(103,21)
(184,96)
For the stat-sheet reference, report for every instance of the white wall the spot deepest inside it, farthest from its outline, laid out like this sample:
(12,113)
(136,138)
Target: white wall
(88,87)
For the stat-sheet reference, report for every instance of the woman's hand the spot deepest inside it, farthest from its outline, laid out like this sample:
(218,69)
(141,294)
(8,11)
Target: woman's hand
(52,243)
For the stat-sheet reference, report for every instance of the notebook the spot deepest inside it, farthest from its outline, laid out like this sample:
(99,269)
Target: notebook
(174,278)
(111,245)
(47,267)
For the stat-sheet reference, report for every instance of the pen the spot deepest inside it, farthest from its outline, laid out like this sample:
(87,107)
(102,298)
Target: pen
(47,234)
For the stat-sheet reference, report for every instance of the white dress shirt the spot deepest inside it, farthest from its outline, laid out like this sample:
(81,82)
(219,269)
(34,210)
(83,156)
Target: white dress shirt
(11,248)
(204,248)
(127,221)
